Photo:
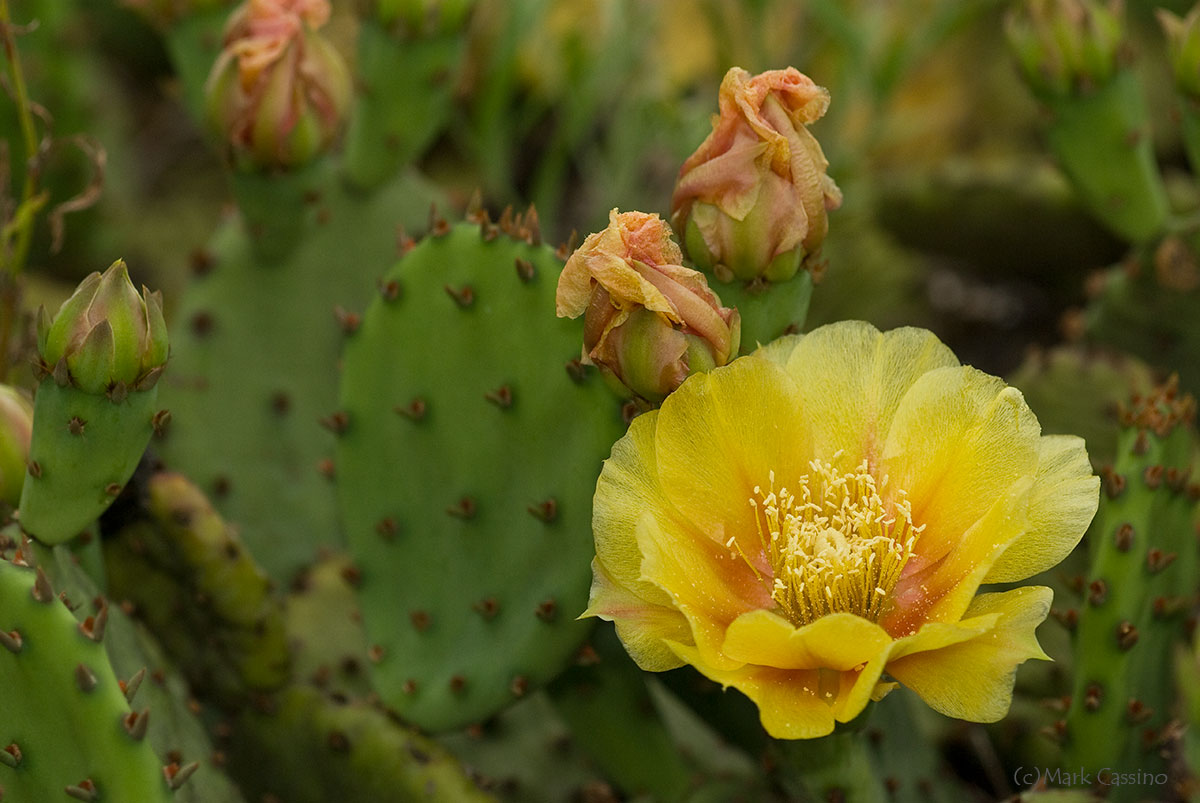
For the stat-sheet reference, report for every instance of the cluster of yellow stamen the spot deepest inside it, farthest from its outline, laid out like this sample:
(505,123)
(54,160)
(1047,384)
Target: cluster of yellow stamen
(834,546)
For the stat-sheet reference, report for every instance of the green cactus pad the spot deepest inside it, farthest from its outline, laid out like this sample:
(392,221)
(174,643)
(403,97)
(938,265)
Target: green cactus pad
(66,729)
(1139,591)
(470,445)
(84,449)
(254,350)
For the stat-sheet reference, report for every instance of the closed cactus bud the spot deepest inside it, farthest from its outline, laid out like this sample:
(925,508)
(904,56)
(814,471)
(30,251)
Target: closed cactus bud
(16,427)
(279,91)
(105,335)
(1183,49)
(649,322)
(752,201)
(1064,46)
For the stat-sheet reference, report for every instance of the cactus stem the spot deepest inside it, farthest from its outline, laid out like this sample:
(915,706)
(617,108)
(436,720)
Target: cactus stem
(463,296)
(519,686)
(76,425)
(11,641)
(1127,635)
(487,608)
(93,626)
(11,756)
(336,422)
(348,321)
(458,684)
(84,790)
(502,397)
(1124,537)
(545,511)
(130,687)
(415,410)
(420,620)
(42,591)
(387,528)
(135,723)
(202,323)
(525,270)
(390,290)
(465,508)
(85,678)
(547,610)
(177,776)
(1097,592)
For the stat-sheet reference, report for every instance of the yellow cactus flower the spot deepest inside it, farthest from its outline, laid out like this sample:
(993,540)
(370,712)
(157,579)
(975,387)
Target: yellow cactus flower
(810,525)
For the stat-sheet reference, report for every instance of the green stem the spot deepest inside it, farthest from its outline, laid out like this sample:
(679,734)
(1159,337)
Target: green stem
(834,767)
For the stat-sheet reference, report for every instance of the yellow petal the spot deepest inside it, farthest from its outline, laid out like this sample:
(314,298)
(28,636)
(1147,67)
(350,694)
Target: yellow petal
(1062,503)
(973,679)
(707,585)
(779,350)
(851,378)
(628,487)
(839,641)
(719,436)
(642,627)
(959,440)
(789,702)
(943,590)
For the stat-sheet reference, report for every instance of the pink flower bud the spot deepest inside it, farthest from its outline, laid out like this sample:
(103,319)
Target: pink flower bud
(752,200)
(279,91)
(649,322)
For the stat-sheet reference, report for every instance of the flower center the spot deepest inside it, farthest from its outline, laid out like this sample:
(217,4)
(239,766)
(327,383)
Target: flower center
(834,546)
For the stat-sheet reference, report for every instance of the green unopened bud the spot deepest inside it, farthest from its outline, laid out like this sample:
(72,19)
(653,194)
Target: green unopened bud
(1183,49)
(105,335)
(16,428)
(279,91)
(649,322)
(752,201)
(1066,46)
(423,17)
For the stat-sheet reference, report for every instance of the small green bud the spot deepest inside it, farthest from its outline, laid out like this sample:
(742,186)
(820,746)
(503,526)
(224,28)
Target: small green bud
(16,428)
(1183,49)
(105,334)
(1066,46)
(279,91)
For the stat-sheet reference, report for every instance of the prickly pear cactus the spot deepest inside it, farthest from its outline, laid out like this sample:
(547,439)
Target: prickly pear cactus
(1141,584)
(255,345)
(92,748)
(469,443)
